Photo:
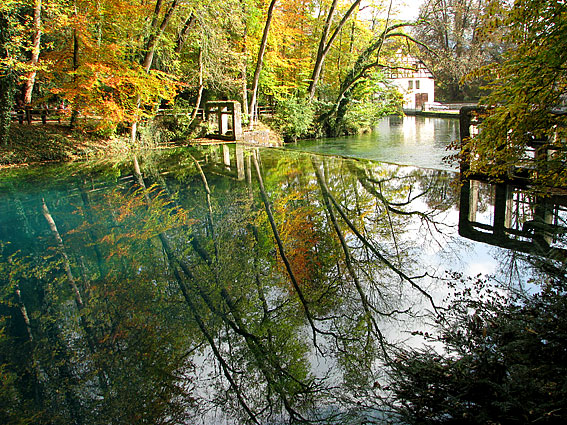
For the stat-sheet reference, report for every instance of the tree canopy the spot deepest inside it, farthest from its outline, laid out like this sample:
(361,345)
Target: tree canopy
(527,95)
(458,36)
(117,62)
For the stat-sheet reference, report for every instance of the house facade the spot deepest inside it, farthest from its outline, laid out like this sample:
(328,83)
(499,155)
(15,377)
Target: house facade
(414,81)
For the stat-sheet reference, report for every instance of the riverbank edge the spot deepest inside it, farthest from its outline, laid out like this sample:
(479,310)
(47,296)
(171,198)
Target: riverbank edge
(434,114)
(55,143)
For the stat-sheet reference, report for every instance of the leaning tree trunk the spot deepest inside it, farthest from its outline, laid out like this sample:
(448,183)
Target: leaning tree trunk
(320,51)
(332,120)
(150,49)
(325,46)
(260,61)
(182,38)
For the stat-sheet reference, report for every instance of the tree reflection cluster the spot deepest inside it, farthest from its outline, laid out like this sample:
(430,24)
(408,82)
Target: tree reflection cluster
(174,289)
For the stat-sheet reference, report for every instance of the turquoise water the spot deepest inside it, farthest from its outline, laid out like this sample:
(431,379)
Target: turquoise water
(411,140)
(218,286)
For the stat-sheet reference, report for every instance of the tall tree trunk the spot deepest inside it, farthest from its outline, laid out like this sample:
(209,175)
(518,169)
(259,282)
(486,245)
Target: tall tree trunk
(182,38)
(325,46)
(260,61)
(36,42)
(320,50)
(75,112)
(155,34)
(150,48)
(244,70)
(201,86)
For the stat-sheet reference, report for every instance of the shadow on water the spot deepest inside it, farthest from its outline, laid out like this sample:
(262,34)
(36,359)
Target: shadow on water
(224,285)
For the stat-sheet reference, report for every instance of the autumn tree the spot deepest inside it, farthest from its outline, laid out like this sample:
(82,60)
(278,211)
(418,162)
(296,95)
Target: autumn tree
(94,63)
(526,92)
(458,36)
(35,50)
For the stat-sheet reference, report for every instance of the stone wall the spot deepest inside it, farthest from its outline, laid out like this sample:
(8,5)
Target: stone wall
(263,137)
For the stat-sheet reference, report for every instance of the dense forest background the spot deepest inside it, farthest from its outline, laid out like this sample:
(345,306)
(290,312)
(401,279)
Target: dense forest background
(322,64)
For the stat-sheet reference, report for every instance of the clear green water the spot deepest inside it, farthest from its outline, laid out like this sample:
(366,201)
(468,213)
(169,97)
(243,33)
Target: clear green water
(410,140)
(260,284)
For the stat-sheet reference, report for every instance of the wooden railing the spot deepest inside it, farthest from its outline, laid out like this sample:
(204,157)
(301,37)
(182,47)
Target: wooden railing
(181,112)
(43,115)
(58,115)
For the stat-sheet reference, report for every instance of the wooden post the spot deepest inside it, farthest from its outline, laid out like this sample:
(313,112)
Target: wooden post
(465,115)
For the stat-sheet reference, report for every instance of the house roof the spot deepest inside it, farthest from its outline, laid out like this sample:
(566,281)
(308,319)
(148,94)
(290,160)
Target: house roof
(407,66)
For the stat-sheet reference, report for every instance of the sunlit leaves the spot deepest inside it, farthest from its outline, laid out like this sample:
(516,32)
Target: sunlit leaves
(525,87)
(95,65)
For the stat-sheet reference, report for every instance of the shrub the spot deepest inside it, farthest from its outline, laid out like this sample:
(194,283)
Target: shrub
(293,117)
(504,361)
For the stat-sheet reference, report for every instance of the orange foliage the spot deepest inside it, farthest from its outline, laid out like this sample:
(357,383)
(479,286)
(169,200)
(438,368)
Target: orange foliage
(298,230)
(95,68)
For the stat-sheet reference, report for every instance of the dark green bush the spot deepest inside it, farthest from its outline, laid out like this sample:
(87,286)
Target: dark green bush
(503,361)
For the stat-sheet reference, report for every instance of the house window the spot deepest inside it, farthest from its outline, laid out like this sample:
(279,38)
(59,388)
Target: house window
(417,84)
(410,85)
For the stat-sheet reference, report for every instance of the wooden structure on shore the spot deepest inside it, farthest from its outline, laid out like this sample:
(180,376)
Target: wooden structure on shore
(523,170)
(508,212)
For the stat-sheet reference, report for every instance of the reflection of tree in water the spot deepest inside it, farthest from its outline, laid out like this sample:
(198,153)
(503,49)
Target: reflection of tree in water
(100,342)
(268,297)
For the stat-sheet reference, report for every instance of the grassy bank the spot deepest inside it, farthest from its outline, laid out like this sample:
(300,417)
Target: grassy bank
(36,143)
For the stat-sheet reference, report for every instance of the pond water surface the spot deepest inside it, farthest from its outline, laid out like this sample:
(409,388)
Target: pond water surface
(410,140)
(232,284)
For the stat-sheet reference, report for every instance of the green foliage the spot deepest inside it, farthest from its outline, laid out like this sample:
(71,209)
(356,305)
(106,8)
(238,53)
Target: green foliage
(500,359)
(373,99)
(6,105)
(173,125)
(530,82)
(294,116)
(7,86)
